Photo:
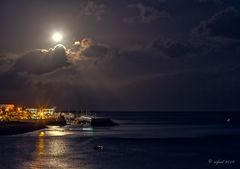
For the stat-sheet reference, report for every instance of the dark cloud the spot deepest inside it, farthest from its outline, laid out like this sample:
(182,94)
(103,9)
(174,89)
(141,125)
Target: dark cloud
(172,49)
(217,2)
(121,76)
(145,14)
(223,24)
(201,90)
(96,51)
(190,61)
(42,61)
(6,63)
(94,9)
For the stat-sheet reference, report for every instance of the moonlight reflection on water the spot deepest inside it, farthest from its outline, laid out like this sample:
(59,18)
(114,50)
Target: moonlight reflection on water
(51,151)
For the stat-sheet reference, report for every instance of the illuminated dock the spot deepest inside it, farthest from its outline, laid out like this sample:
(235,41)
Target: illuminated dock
(9,112)
(17,119)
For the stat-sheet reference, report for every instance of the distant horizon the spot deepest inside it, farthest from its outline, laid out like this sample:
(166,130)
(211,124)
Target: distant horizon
(125,110)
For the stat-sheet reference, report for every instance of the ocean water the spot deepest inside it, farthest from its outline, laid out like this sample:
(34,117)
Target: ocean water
(143,140)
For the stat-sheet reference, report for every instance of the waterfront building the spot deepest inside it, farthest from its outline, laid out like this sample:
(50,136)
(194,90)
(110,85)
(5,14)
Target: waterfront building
(42,111)
(7,107)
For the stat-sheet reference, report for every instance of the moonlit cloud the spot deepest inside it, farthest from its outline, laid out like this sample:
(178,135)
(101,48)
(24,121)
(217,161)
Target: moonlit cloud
(75,52)
(86,43)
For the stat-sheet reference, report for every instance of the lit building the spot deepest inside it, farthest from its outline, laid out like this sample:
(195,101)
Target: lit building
(32,110)
(11,112)
(7,107)
(47,111)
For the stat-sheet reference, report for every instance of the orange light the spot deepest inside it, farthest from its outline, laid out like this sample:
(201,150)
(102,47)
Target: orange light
(9,107)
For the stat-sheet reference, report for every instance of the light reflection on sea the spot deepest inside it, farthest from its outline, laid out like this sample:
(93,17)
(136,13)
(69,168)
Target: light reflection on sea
(132,145)
(47,151)
(52,150)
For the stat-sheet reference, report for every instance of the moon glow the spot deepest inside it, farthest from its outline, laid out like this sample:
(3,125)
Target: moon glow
(57,37)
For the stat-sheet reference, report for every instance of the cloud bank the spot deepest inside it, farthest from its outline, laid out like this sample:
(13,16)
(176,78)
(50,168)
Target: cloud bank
(175,56)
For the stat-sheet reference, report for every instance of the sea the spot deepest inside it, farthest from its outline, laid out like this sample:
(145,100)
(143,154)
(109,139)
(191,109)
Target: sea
(142,140)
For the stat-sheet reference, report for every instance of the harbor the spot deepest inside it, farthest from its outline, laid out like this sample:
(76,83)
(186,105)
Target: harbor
(165,134)
(21,119)
(17,119)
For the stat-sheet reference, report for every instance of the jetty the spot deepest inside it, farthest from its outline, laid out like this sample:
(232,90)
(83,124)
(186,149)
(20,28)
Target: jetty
(95,121)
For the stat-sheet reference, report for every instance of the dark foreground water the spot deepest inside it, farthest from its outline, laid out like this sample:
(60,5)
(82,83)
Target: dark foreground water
(146,140)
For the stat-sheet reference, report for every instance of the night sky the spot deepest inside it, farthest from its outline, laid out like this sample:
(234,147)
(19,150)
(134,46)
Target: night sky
(121,55)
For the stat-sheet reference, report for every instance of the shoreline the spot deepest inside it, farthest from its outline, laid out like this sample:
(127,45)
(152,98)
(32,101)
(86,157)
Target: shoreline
(24,126)
(12,128)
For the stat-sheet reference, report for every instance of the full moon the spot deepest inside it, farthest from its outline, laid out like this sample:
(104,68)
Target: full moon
(57,37)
